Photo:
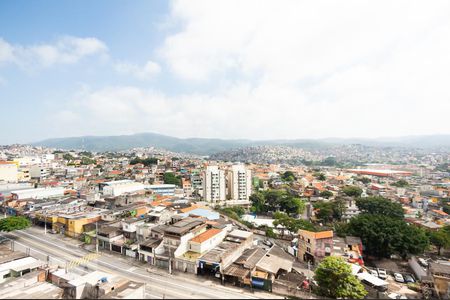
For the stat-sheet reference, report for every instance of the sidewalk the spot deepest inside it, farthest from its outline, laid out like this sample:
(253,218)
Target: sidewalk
(192,278)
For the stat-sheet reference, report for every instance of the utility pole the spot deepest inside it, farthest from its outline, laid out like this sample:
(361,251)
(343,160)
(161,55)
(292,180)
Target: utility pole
(250,280)
(96,237)
(45,222)
(170,260)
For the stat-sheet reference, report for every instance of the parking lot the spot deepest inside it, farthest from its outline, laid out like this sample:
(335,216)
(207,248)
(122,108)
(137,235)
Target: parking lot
(400,267)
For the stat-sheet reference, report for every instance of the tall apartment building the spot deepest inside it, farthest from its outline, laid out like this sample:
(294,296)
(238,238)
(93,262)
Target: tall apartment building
(214,184)
(239,183)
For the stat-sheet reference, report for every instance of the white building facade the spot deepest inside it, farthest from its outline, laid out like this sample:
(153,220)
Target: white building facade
(214,189)
(8,172)
(239,183)
(119,187)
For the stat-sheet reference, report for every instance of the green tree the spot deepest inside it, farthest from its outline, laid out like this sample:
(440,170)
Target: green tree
(87,161)
(383,236)
(329,161)
(341,229)
(146,161)
(292,224)
(335,279)
(320,176)
(234,212)
(401,183)
(14,223)
(324,211)
(68,156)
(288,176)
(170,178)
(440,239)
(258,203)
(364,180)
(276,200)
(292,205)
(86,153)
(270,233)
(326,194)
(329,211)
(352,191)
(380,206)
(339,208)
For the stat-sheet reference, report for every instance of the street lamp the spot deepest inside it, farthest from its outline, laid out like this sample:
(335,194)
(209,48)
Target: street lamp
(45,222)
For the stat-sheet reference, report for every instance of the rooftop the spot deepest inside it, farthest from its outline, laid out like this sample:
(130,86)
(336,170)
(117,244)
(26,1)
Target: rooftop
(437,268)
(20,288)
(316,235)
(206,235)
(183,226)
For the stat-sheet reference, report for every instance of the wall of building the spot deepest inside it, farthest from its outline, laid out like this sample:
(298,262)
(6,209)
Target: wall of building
(214,188)
(239,183)
(208,244)
(8,172)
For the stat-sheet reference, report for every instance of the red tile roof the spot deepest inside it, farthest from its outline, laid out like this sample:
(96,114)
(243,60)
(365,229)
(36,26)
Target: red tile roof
(206,235)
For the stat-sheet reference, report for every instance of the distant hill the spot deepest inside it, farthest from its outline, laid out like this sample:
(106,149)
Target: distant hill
(123,142)
(205,146)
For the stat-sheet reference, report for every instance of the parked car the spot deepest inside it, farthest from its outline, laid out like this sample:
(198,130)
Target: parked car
(408,278)
(423,262)
(382,274)
(373,272)
(398,277)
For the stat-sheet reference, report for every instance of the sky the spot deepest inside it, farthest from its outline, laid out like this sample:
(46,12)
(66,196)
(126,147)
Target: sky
(224,69)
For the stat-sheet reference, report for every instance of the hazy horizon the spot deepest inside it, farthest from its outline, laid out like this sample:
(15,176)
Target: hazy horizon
(267,71)
(248,139)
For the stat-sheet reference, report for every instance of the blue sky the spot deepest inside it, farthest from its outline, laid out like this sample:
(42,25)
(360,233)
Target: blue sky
(225,69)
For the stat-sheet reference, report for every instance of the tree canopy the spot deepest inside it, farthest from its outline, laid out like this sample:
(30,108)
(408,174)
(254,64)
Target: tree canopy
(68,156)
(335,279)
(292,224)
(401,183)
(353,191)
(276,200)
(320,176)
(87,161)
(330,211)
(364,179)
(234,212)
(86,153)
(288,176)
(326,194)
(145,161)
(383,236)
(170,178)
(14,223)
(329,161)
(380,206)
(440,239)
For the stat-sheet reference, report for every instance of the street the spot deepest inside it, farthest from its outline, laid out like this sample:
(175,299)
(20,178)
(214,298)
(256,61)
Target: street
(159,285)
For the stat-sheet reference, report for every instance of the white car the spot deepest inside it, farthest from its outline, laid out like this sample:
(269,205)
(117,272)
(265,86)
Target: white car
(373,272)
(423,262)
(398,277)
(382,274)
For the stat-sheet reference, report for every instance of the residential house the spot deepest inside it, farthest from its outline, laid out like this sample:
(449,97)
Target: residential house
(314,246)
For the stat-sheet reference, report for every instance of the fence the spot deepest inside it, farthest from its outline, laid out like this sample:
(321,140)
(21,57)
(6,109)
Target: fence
(286,290)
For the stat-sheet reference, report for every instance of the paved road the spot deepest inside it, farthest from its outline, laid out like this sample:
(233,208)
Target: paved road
(158,286)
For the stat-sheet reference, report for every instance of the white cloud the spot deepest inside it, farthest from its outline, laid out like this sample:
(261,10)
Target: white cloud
(148,71)
(290,69)
(6,51)
(66,50)
(292,40)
